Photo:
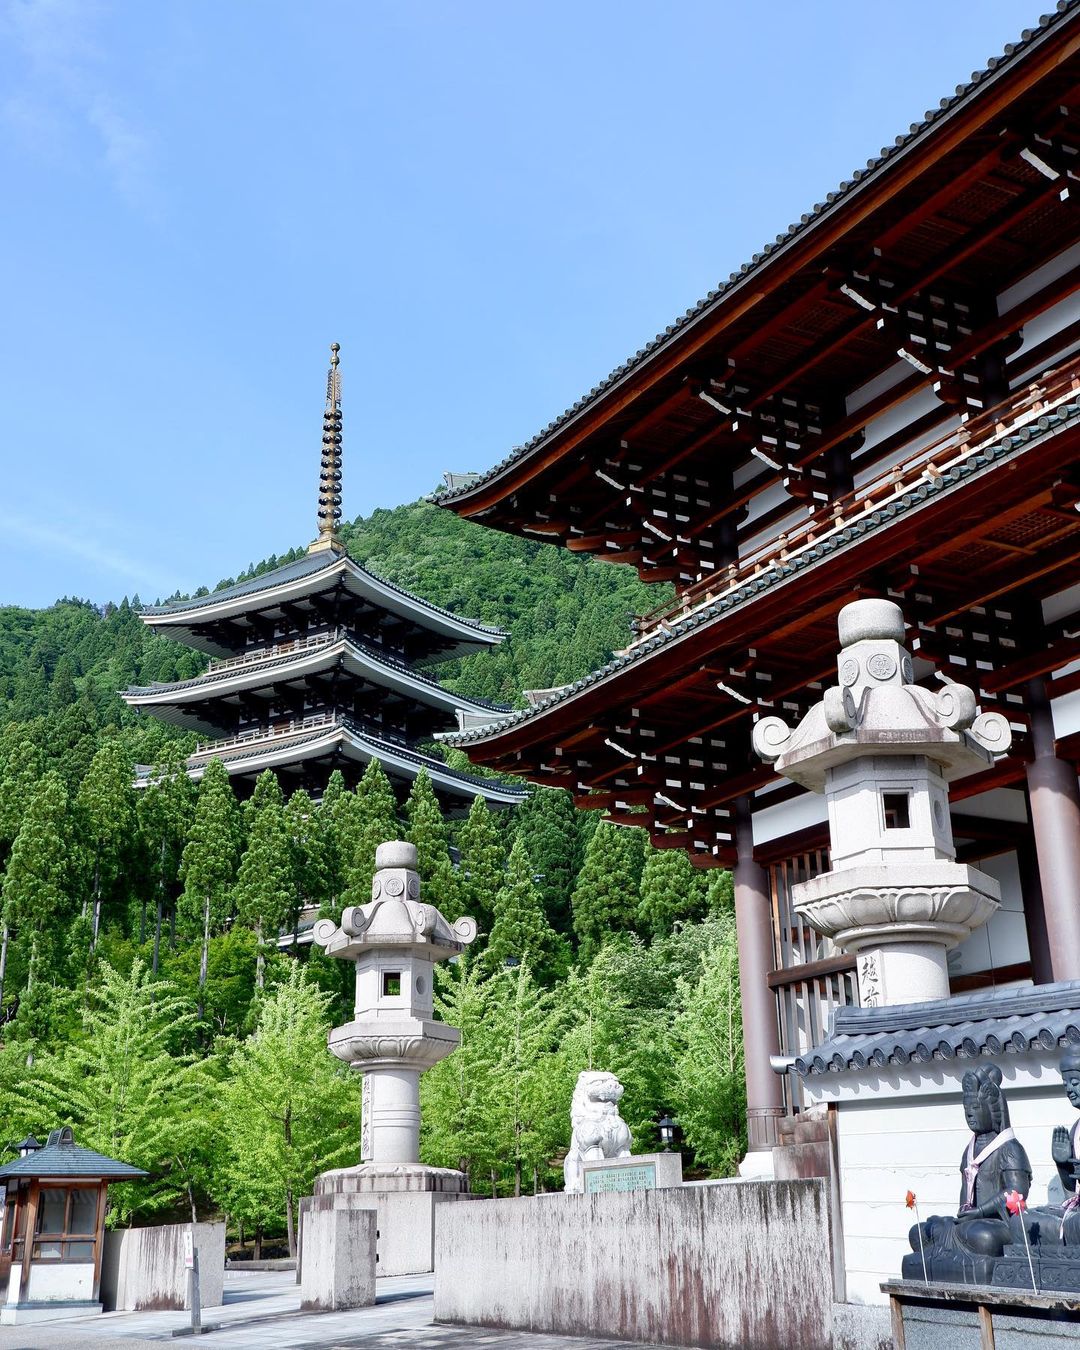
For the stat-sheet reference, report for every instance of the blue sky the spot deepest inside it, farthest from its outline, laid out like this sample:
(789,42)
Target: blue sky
(488,204)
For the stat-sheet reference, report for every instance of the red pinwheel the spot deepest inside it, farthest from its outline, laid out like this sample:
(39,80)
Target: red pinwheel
(1015,1202)
(910,1200)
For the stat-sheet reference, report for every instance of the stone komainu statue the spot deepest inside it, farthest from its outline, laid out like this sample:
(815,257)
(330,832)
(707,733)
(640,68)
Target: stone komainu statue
(598,1129)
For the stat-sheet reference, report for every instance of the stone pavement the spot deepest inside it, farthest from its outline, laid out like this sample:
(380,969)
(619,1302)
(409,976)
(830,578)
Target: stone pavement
(261,1312)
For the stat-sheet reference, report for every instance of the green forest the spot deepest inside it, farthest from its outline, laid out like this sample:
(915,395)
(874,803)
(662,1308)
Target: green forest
(153,994)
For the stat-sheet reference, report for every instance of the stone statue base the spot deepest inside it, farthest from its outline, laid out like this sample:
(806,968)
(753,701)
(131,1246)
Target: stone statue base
(953,1266)
(1056,1268)
(404,1197)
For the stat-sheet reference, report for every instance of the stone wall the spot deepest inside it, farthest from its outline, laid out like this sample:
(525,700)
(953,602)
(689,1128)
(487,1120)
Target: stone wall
(143,1268)
(338,1267)
(726,1264)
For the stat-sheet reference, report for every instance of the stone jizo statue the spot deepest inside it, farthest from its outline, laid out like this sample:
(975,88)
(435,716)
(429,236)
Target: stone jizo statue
(598,1130)
(962,1250)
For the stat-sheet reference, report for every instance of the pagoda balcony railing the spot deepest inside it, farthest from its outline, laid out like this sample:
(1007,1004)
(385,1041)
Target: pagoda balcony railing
(299,726)
(1024,405)
(296,646)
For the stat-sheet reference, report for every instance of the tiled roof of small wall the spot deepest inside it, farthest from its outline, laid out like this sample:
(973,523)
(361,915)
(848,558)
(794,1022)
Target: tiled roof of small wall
(834,199)
(989,1023)
(781,571)
(309,565)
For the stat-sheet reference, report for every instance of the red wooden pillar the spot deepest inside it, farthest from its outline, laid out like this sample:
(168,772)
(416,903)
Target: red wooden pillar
(1055,820)
(761,1035)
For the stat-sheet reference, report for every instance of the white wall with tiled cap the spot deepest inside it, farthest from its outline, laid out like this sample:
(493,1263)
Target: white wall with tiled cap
(904,1129)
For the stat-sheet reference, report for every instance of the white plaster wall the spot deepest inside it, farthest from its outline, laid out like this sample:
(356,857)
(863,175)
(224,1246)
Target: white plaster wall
(903,1131)
(797,813)
(1003,940)
(64,1280)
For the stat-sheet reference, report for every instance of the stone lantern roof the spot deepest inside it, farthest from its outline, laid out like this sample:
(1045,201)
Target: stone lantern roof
(395,917)
(877,708)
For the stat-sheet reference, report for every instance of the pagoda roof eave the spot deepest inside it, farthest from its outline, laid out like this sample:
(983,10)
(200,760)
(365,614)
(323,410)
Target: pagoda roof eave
(573,704)
(359,658)
(354,743)
(804,240)
(306,576)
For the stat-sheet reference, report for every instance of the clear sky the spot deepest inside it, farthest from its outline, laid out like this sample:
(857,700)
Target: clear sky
(488,203)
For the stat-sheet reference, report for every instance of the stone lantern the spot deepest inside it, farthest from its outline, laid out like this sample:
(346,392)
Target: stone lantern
(883,751)
(394,942)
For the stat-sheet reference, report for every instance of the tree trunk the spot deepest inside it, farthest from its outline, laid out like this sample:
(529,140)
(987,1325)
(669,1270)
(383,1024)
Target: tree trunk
(494,1185)
(260,959)
(97,907)
(289,1230)
(517,1177)
(157,937)
(205,957)
(258,1242)
(191,1202)
(3,960)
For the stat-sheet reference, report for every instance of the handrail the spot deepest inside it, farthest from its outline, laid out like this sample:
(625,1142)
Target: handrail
(294,728)
(314,640)
(1053,388)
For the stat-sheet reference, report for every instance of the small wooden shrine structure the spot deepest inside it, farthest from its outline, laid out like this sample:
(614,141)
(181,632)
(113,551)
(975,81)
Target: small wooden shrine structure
(53,1228)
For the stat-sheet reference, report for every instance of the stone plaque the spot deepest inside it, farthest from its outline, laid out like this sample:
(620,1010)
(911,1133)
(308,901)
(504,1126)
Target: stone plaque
(621,1177)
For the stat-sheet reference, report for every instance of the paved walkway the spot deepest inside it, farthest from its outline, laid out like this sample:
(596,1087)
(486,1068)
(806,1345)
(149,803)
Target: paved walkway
(261,1312)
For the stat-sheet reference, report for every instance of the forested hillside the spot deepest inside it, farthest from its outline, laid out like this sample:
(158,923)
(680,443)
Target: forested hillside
(152,988)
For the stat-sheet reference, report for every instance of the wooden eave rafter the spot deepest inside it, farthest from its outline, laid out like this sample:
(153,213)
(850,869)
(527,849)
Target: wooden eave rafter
(1003,103)
(783,630)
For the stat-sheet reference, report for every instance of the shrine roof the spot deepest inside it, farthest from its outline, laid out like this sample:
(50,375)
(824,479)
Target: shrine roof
(244,757)
(363,656)
(990,1022)
(65,1158)
(781,570)
(306,576)
(461,486)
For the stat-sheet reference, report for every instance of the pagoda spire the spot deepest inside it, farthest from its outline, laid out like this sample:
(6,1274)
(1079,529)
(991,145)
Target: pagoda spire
(330,472)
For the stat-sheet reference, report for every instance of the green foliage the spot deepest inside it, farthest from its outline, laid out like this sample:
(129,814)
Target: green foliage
(605,899)
(127,1091)
(292,1110)
(373,821)
(265,885)
(708,1089)
(210,855)
(548,822)
(38,880)
(427,830)
(521,934)
(672,888)
(482,862)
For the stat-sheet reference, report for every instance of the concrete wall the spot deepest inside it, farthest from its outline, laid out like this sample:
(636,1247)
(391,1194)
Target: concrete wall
(728,1264)
(338,1267)
(143,1268)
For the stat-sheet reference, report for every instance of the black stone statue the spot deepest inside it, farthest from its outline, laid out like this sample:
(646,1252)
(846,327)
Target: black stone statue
(1059,1225)
(963,1250)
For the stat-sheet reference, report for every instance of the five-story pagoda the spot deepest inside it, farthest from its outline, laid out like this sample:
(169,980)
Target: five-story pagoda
(317,665)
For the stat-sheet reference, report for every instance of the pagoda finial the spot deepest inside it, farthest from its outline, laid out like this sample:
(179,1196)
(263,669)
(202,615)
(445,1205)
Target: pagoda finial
(330,471)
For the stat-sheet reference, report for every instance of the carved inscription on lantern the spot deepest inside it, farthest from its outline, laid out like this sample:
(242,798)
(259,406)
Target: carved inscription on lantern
(365,1119)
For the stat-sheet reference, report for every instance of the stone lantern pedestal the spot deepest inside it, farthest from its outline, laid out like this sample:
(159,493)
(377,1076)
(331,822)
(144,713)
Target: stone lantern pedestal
(883,751)
(394,942)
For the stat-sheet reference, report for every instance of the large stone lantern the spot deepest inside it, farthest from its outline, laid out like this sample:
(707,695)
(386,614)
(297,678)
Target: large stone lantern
(394,942)
(883,751)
